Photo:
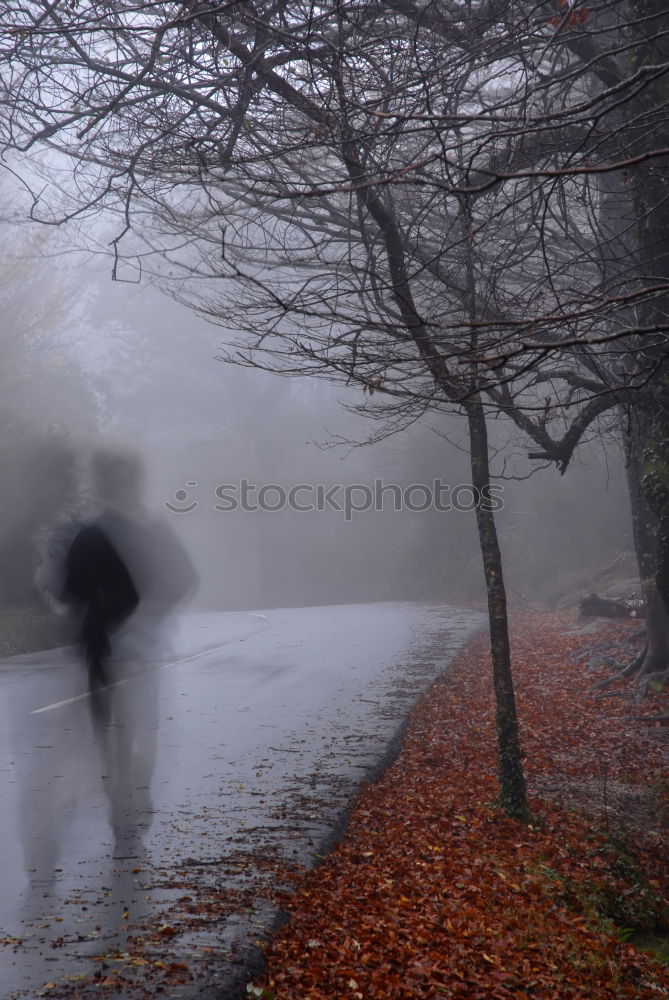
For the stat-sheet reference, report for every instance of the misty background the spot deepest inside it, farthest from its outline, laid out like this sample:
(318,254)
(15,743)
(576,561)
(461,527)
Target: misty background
(88,360)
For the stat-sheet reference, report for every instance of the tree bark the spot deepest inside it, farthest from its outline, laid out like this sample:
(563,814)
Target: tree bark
(649,196)
(512,795)
(655,485)
(655,656)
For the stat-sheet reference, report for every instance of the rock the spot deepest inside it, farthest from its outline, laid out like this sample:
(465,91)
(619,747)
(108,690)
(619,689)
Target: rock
(593,606)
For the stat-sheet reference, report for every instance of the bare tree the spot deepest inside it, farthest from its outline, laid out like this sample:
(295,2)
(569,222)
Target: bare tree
(453,206)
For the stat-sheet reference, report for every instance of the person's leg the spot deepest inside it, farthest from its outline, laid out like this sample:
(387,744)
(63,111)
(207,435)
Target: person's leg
(97,650)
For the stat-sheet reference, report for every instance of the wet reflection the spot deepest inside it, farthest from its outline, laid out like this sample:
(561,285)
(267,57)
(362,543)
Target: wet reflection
(55,769)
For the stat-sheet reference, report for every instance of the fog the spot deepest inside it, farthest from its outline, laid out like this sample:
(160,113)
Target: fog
(144,475)
(90,361)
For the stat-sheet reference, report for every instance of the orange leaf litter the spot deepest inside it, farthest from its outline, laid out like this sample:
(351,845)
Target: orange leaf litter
(433,894)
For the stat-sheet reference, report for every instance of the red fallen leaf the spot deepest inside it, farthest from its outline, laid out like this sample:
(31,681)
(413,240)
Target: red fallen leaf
(483,888)
(177,967)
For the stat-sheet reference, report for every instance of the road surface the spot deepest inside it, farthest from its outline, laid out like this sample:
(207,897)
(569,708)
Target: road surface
(226,759)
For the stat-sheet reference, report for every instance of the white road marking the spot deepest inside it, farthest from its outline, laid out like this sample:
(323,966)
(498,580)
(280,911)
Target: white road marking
(124,680)
(77,697)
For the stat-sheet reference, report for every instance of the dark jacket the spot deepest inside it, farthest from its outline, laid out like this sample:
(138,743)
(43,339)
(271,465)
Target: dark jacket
(97,579)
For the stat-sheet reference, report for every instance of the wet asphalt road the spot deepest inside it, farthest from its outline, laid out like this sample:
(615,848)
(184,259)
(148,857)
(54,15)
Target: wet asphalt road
(226,755)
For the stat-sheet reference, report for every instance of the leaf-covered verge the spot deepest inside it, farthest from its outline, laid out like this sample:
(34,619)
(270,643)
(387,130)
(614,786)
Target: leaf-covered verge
(433,893)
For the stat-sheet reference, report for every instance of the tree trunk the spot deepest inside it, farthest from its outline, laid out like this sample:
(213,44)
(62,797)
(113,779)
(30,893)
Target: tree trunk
(649,195)
(655,656)
(655,485)
(512,795)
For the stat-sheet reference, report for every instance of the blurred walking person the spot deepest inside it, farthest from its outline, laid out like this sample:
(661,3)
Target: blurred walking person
(125,573)
(98,583)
